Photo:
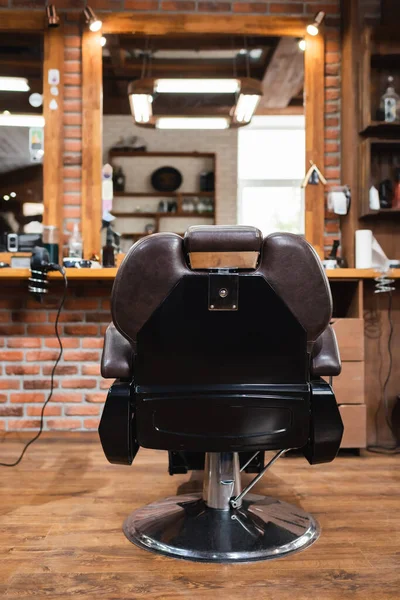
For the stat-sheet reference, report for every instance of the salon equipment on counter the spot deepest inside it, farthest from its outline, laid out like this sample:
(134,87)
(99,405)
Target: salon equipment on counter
(75,246)
(339,199)
(20,242)
(119,179)
(207,181)
(389,106)
(77,263)
(396,192)
(130,143)
(369,253)
(111,247)
(51,239)
(385,189)
(332,261)
(374,202)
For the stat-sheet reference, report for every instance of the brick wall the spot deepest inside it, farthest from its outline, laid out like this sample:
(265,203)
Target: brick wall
(28,349)
(27,344)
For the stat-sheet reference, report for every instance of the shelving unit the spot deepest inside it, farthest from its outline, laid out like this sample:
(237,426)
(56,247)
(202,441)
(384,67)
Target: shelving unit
(134,213)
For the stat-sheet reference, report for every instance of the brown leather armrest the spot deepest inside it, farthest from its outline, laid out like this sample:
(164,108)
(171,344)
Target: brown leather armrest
(325,359)
(117,357)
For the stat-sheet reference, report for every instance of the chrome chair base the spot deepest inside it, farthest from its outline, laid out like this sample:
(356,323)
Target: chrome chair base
(185,527)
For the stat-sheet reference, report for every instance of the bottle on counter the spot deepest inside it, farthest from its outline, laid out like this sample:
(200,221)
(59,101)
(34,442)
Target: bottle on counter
(119,180)
(75,246)
(396,194)
(390,103)
(109,249)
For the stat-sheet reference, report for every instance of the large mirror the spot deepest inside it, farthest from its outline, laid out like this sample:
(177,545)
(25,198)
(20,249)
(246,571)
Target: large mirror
(21,136)
(203,129)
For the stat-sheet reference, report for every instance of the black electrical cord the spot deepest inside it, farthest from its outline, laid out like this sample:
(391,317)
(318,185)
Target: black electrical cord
(39,433)
(378,449)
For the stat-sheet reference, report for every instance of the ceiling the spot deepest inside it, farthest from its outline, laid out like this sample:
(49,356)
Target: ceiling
(276,62)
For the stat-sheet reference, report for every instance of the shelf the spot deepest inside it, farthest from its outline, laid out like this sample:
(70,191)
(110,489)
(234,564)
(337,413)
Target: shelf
(163,194)
(380,128)
(160,215)
(386,212)
(129,153)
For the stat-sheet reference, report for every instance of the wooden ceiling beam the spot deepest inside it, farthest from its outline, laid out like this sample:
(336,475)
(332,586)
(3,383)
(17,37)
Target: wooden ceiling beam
(284,78)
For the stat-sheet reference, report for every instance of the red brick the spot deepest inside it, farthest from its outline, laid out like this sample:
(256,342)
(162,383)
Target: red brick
(249,7)
(80,384)
(11,356)
(23,424)
(91,423)
(40,329)
(332,161)
(72,66)
(98,317)
(72,55)
(108,4)
(72,186)
(22,369)
(74,199)
(73,145)
(90,369)
(9,384)
(11,301)
(332,69)
(29,317)
(66,317)
(141,4)
(72,41)
(329,8)
(4,317)
(173,5)
(27,397)
(3,398)
(82,411)
(72,173)
(286,8)
(331,107)
(15,329)
(49,411)
(92,342)
(66,424)
(99,397)
(66,342)
(38,384)
(41,355)
(81,303)
(63,397)
(61,370)
(72,119)
(72,78)
(214,6)
(331,94)
(332,226)
(332,58)
(332,173)
(81,329)
(82,356)
(11,411)
(24,342)
(106,304)
(103,329)
(104,384)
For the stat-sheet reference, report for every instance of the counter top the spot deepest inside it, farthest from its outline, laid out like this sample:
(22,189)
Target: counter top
(109,274)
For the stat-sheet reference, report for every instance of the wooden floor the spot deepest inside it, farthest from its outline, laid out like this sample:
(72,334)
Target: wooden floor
(62,509)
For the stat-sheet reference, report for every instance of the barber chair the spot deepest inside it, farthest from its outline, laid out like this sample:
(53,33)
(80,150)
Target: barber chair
(218,346)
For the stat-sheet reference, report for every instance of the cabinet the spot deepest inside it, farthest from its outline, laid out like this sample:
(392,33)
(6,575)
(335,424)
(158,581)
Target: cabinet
(349,387)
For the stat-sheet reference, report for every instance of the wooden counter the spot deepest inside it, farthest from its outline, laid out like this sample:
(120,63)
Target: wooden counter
(111,272)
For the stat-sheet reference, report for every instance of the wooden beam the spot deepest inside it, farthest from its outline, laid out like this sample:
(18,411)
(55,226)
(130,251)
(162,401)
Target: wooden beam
(314,62)
(284,77)
(54,129)
(289,110)
(22,20)
(351,61)
(158,24)
(92,120)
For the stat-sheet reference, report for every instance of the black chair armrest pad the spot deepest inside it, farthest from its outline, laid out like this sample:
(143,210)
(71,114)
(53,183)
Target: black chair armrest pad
(117,357)
(325,358)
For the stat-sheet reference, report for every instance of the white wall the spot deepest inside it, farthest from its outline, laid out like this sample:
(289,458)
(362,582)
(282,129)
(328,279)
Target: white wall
(223,143)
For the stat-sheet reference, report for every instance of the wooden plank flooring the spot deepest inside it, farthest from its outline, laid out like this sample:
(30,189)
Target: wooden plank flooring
(61,512)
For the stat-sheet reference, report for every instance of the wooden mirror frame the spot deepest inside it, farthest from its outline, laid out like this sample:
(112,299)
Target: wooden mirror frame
(159,24)
(53,58)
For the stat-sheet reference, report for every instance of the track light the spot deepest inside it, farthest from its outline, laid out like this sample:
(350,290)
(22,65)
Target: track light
(103,41)
(91,19)
(313,28)
(53,20)
(302,45)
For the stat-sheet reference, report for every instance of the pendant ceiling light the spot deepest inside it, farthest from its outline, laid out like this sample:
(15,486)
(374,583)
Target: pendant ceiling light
(242,98)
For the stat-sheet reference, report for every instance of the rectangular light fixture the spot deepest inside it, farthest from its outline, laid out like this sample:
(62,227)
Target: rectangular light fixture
(8,120)
(141,107)
(14,84)
(196,86)
(192,123)
(246,107)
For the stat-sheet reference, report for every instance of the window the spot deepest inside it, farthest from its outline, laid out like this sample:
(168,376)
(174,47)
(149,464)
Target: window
(271,167)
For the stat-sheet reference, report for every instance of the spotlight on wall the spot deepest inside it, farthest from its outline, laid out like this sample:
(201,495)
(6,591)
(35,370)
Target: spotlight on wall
(91,19)
(53,20)
(302,45)
(103,41)
(313,28)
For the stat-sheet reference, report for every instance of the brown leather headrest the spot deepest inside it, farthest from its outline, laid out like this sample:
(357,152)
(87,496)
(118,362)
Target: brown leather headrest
(223,238)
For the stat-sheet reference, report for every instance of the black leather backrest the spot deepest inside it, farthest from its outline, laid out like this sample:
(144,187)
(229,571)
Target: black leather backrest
(155,264)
